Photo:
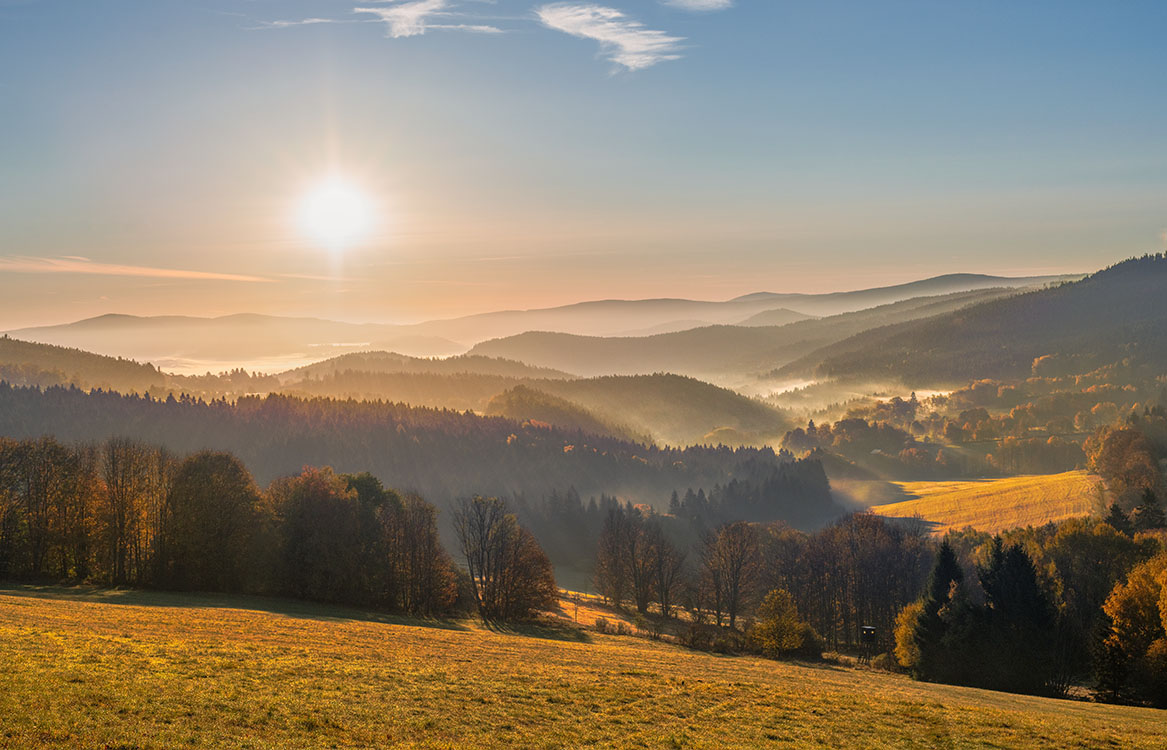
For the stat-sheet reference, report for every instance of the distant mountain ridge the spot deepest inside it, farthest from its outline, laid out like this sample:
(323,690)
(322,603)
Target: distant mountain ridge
(715,352)
(272,343)
(1114,314)
(833,303)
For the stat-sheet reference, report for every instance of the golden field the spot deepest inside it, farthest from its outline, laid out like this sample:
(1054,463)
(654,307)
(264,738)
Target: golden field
(83,668)
(995,505)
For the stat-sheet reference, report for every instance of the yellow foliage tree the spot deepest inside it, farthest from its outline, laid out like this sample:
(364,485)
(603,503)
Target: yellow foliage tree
(907,651)
(778,629)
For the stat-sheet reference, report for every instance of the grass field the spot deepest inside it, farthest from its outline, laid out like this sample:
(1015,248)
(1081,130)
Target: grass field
(997,504)
(132,669)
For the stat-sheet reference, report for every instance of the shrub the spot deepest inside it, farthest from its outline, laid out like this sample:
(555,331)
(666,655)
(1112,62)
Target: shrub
(812,644)
(887,662)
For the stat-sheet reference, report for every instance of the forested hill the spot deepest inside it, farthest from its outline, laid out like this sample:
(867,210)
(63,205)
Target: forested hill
(1116,313)
(715,350)
(45,365)
(391,362)
(441,454)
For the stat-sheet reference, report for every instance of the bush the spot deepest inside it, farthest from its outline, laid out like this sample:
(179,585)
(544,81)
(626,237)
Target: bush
(886,662)
(715,639)
(812,644)
(608,627)
(698,637)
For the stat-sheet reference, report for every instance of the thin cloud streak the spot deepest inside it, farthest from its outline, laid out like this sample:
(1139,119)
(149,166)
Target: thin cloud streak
(74,265)
(699,6)
(622,40)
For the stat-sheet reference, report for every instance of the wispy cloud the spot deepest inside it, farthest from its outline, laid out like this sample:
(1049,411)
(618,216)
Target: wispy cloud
(624,41)
(416,18)
(78,265)
(699,5)
(289,24)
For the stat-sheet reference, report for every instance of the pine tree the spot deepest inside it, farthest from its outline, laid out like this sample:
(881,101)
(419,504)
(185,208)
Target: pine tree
(932,626)
(1148,514)
(1019,622)
(1111,663)
(1118,520)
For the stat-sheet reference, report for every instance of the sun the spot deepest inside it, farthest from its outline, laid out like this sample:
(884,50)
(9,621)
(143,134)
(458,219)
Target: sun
(336,213)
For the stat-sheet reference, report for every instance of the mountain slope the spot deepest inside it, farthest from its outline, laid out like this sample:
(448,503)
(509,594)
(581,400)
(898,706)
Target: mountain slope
(392,362)
(27,363)
(714,351)
(1116,313)
(675,410)
(442,454)
(524,404)
(779,316)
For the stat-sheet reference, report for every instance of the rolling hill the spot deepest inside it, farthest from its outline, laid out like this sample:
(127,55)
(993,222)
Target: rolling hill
(673,409)
(779,316)
(1114,314)
(524,404)
(26,363)
(147,669)
(439,453)
(392,362)
(715,352)
(996,505)
(665,408)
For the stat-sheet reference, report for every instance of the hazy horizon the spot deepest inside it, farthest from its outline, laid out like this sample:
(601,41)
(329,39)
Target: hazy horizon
(455,313)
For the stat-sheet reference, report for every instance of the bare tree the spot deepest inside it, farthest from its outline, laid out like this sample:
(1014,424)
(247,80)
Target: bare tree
(512,576)
(731,564)
(667,568)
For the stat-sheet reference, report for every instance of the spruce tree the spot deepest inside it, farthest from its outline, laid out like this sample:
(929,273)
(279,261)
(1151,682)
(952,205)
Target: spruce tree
(1019,622)
(932,627)
(1118,520)
(1148,514)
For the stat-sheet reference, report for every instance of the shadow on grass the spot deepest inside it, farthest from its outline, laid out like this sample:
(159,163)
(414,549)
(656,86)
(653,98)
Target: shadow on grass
(295,608)
(549,630)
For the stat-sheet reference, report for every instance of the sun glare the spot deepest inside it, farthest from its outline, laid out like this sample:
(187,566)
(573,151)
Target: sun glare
(336,213)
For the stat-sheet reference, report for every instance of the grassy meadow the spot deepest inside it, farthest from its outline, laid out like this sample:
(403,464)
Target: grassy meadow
(995,505)
(86,668)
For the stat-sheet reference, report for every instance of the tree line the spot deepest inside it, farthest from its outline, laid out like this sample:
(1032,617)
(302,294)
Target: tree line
(123,512)
(861,570)
(1033,610)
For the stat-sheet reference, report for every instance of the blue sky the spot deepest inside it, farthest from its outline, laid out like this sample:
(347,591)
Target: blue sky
(525,153)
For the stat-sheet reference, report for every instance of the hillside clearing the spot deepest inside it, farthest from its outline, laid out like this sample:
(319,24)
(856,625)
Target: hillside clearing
(83,668)
(995,505)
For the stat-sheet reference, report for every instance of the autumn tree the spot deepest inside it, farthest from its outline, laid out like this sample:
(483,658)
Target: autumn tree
(778,629)
(129,489)
(209,528)
(1137,612)
(319,517)
(511,574)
